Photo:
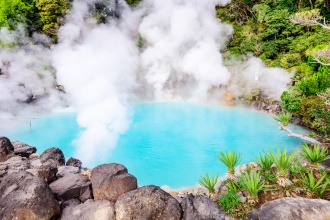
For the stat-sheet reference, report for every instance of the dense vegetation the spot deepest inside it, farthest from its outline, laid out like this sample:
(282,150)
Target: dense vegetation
(269,30)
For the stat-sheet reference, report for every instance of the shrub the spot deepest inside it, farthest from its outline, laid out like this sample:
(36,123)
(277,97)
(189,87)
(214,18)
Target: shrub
(265,161)
(283,163)
(284,118)
(209,182)
(251,182)
(230,159)
(314,155)
(229,201)
(315,187)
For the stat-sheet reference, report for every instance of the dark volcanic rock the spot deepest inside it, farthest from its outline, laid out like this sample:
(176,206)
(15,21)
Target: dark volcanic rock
(72,186)
(23,149)
(6,149)
(46,171)
(294,209)
(14,164)
(71,202)
(90,210)
(65,170)
(73,162)
(109,181)
(149,202)
(201,208)
(53,154)
(24,196)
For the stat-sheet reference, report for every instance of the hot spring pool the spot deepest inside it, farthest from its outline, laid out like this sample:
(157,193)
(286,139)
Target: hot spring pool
(169,143)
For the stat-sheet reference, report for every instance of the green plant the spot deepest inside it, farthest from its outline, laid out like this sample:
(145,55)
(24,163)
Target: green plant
(251,182)
(314,155)
(230,159)
(315,187)
(265,161)
(284,118)
(283,162)
(233,185)
(228,201)
(209,182)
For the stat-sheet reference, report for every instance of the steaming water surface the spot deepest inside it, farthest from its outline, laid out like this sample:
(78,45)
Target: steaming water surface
(169,143)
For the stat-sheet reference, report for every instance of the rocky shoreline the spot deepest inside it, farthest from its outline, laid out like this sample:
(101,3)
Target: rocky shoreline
(46,186)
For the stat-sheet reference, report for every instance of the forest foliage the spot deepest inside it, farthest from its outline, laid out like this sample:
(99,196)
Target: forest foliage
(288,34)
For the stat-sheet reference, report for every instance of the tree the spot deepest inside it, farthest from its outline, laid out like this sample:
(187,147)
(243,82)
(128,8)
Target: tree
(313,18)
(13,12)
(309,18)
(50,12)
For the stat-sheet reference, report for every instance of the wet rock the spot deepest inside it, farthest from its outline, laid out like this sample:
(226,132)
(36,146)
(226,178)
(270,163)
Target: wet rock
(65,170)
(73,162)
(23,149)
(109,181)
(72,186)
(90,210)
(6,149)
(295,209)
(149,202)
(201,208)
(24,196)
(54,154)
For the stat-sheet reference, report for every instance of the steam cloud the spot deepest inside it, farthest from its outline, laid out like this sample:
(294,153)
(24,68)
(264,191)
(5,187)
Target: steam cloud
(103,71)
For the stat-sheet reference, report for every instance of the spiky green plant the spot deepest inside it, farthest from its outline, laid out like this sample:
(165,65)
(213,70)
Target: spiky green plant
(233,185)
(283,162)
(265,162)
(228,201)
(314,155)
(209,182)
(251,182)
(315,187)
(284,118)
(230,159)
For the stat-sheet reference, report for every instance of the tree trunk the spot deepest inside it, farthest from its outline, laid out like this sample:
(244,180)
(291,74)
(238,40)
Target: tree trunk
(311,3)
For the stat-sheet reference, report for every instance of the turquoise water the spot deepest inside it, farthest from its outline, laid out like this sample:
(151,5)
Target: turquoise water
(170,143)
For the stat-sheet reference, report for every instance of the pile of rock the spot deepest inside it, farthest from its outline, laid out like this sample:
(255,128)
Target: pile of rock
(43,186)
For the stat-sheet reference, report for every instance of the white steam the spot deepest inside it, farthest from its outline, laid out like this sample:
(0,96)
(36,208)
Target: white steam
(253,75)
(25,74)
(183,40)
(97,66)
(102,69)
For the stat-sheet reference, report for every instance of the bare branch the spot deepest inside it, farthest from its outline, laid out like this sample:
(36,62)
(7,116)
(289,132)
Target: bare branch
(309,18)
(302,137)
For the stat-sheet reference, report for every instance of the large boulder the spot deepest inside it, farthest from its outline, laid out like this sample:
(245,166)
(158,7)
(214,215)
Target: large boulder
(46,171)
(201,208)
(14,164)
(72,186)
(73,162)
(293,209)
(54,154)
(149,202)
(6,149)
(90,210)
(109,181)
(24,196)
(65,170)
(23,149)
